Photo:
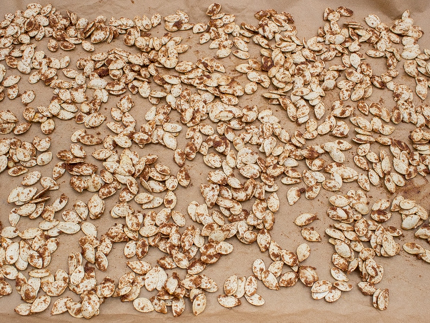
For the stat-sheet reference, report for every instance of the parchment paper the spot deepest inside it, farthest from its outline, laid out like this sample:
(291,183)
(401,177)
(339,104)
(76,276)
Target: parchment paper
(406,277)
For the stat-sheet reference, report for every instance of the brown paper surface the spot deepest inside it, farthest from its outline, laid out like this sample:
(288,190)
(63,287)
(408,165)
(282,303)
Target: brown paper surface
(406,277)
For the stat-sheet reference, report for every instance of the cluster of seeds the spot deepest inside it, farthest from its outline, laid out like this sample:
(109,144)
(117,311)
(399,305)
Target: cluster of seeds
(247,149)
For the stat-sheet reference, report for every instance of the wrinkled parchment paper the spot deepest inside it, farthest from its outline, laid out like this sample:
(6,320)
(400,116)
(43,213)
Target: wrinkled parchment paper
(406,277)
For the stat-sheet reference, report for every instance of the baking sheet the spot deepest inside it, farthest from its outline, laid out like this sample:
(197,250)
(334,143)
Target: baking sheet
(406,277)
